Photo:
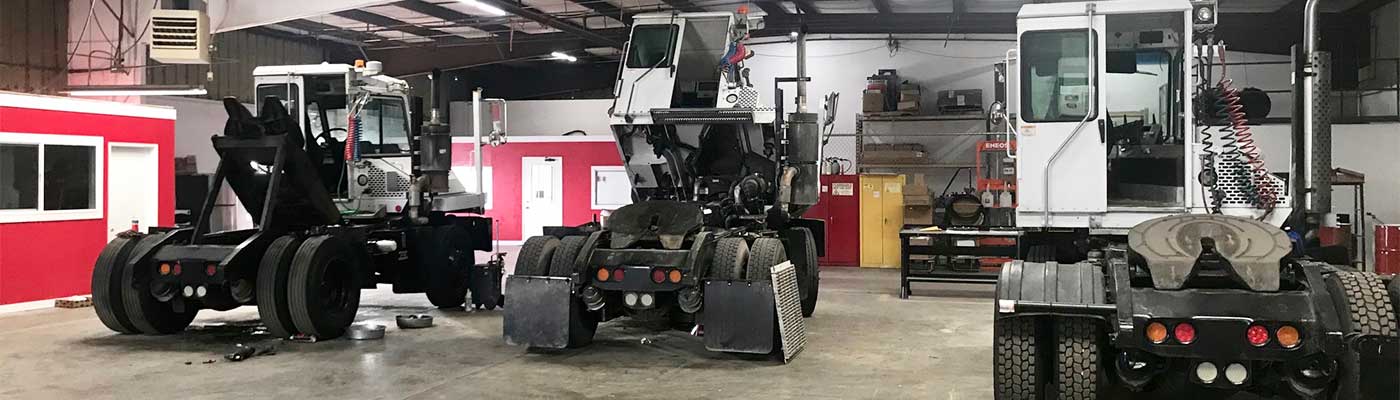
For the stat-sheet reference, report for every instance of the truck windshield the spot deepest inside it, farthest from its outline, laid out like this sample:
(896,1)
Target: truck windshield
(652,46)
(1055,78)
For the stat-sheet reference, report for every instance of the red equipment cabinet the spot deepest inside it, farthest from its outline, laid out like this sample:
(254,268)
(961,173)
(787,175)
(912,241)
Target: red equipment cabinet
(840,208)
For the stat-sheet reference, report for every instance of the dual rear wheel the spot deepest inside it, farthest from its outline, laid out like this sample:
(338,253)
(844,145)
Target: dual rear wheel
(121,295)
(309,287)
(1061,360)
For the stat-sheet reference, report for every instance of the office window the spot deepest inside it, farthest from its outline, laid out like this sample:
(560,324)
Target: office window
(50,177)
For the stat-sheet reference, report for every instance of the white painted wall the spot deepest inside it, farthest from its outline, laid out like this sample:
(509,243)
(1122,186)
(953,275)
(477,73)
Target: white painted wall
(199,119)
(1366,148)
(540,117)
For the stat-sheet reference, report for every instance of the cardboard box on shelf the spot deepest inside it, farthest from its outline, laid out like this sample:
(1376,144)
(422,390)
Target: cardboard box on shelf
(918,215)
(910,106)
(872,101)
(917,199)
(916,184)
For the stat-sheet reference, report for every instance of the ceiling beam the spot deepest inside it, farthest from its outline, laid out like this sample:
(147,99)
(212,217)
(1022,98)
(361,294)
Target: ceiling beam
(883,6)
(608,9)
(384,22)
(478,52)
(239,14)
(806,6)
(683,5)
(771,7)
(890,23)
(450,15)
(552,22)
(317,28)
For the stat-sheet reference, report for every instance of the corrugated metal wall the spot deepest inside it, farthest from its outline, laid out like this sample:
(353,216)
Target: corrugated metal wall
(234,57)
(33,43)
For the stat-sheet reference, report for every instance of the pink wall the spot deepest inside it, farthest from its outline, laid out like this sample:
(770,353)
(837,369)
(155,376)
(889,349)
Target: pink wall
(578,156)
(44,260)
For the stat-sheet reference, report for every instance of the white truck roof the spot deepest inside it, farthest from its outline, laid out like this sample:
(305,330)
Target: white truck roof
(1102,7)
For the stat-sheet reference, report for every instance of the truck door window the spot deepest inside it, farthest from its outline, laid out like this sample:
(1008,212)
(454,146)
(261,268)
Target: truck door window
(1055,76)
(652,45)
(287,93)
(385,126)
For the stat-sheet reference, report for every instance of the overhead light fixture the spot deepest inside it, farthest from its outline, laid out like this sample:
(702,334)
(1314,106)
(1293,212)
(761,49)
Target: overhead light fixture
(135,90)
(561,56)
(793,34)
(490,9)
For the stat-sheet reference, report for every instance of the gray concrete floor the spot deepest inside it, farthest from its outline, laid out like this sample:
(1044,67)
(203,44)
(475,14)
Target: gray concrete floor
(864,342)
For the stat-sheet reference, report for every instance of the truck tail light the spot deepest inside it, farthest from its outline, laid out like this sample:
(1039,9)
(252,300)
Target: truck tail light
(1288,336)
(658,275)
(618,275)
(603,274)
(1257,335)
(1156,332)
(1185,333)
(674,276)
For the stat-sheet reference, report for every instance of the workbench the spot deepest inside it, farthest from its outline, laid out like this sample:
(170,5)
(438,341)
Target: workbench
(953,255)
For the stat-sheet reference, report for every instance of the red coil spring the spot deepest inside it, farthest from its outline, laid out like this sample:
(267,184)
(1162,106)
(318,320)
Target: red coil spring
(350,139)
(1244,139)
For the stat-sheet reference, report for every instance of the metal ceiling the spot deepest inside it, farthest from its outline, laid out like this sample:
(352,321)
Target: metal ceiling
(421,34)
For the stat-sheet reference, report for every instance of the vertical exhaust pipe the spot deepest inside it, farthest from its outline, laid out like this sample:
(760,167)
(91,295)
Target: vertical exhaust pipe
(1316,171)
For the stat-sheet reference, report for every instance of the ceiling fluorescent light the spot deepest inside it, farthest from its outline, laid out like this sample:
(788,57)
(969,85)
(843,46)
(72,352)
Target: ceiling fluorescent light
(561,56)
(490,9)
(138,90)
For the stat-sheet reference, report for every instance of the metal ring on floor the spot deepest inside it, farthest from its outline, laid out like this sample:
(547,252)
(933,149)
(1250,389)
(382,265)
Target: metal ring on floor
(365,331)
(414,321)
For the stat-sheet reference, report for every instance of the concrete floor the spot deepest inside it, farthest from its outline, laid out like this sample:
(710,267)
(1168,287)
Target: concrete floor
(864,342)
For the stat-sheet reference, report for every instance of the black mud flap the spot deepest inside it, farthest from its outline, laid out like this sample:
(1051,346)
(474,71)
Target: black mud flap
(544,313)
(485,285)
(740,317)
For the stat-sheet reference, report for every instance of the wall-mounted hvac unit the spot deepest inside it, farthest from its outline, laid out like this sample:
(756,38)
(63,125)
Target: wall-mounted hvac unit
(180,36)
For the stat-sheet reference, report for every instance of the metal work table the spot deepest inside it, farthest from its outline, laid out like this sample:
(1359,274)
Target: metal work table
(940,248)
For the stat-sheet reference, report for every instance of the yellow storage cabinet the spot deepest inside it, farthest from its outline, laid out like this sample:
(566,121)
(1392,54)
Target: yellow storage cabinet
(881,217)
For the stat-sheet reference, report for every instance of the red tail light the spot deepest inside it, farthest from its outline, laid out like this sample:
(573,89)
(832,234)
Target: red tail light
(658,275)
(211,269)
(1257,335)
(617,275)
(1185,333)
(176,270)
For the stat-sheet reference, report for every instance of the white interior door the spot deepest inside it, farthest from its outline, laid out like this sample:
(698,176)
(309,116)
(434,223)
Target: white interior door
(133,173)
(541,194)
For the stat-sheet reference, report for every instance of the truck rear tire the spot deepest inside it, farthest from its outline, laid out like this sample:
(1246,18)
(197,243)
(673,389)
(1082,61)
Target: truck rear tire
(107,288)
(535,256)
(448,261)
(1019,368)
(323,290)
(802,250)
(273,271)
(731,254)
(1079,367)
(151,316)
(562,262)
(1365,308)
(767,252)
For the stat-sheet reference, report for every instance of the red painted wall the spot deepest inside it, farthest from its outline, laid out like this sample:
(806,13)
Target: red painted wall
(579,158)
(43,260)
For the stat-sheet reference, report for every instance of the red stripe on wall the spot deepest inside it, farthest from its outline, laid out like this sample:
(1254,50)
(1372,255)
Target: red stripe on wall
(504,160)
(43,260)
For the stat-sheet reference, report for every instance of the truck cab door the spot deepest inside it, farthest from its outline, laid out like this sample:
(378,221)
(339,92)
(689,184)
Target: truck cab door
(1061,158)
(647,76)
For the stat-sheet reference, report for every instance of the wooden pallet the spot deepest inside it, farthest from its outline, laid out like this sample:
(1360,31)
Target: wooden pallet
(73,302)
